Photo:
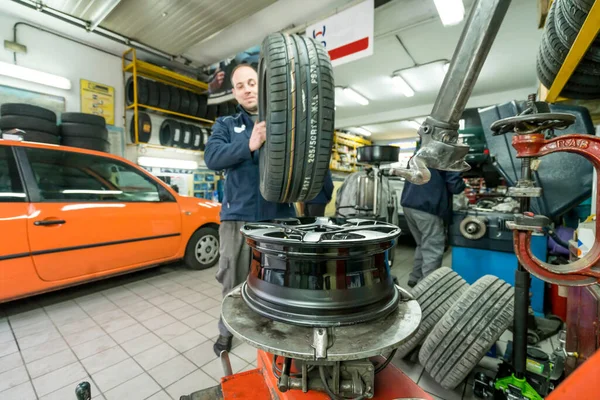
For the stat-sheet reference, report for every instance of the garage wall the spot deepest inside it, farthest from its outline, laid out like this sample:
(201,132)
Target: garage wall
(63,57)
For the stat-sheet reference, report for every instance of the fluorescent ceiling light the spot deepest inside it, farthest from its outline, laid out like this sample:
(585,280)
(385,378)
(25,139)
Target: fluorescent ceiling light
(167,163)
(451,12)
(361,131)
(353,95)
(32,75)
(445,67)
(461,124)
(403,86)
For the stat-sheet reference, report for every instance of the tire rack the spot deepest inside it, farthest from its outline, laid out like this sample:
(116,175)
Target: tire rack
(141,68)
(351,141)
(586,35)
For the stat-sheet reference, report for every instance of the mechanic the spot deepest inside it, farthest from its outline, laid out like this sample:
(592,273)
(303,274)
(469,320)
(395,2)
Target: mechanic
(234,147)
(427,208)
(316,207)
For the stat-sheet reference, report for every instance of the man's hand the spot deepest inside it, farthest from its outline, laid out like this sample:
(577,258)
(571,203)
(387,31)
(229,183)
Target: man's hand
(259,135)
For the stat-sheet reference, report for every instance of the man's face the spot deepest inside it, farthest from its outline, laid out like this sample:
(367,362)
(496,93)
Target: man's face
(245,88)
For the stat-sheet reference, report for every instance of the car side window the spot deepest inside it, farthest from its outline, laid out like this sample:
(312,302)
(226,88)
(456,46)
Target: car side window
(68,176)
(11,187)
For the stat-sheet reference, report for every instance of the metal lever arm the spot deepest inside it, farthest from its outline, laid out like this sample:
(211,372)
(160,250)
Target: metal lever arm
(585,271)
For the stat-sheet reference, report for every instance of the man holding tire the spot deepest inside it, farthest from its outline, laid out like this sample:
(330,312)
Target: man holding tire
(234,147)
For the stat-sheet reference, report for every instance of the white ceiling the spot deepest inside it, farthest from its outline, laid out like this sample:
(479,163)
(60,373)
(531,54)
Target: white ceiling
(508,71)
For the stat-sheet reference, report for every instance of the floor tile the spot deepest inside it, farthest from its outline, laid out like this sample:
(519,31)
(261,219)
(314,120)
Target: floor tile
(104,359)
(131,299)
(183,293)
(138,388)
(43,350)
(38,338)
(4,327)
(155,356)
(117,374)
(431,386)
(92,347)
(10,361)
(142,343)
(118,324)
(135,308)
(206,304)
(33,329)
(59,378)
(109,316)
(215,368)
(187,341)
(172,331)
(99,307)
(172,370)
(24,391)
(8,348)
(213,292)
(68,392)
(196,298)
(23,319)
(215,311)
(77,326)
(131,332)
(162,395)
(148,313)
(84,336)
(184,312)
(246,352)
(12,378)
(51,363)
(198,320)
(162,299)
(159,321)
(210,330)
(7,336)
(202,354)
(172,305)
(193,382)
(248,367)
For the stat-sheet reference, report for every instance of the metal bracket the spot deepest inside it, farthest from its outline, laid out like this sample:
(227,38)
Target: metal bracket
(529,222)
(524,188)
(320,343)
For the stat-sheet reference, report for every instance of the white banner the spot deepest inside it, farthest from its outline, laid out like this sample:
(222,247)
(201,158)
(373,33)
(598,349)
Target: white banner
(348,35)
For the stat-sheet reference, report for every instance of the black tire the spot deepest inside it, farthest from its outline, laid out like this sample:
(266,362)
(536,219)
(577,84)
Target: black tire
(169,131)
(41,137)
(583,5)
(205,135)
(193,104)
(299,114)
(153,94)
(142,89)
(184,106)
(211,112)
(202,106)
(223,110)
(82,118)
(467,331)
(571,90)
(205,238)
(28,123)
(144,128)
(435,295)
(87,143)
(75,130)
(164,96)
(27,110)
(196,138)
(566,34)
(175,99)
(187,133)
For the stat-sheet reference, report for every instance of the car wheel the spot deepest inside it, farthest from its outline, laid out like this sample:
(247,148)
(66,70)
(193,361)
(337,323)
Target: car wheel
(203,249)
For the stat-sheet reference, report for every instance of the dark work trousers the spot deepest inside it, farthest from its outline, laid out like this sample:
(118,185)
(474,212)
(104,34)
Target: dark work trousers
(314,210)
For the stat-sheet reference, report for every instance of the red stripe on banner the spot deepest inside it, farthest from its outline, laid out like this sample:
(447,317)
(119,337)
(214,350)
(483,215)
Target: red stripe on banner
(350,48)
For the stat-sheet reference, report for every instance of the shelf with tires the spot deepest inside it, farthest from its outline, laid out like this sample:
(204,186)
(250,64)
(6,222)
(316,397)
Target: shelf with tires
(41,125)
(568,59)
(343,153)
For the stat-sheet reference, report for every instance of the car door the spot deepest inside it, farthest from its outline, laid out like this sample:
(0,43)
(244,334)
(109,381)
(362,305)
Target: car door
(97,214)
(17,275)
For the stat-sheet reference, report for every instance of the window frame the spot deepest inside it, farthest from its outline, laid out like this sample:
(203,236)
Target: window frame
(12,157)
(35,196)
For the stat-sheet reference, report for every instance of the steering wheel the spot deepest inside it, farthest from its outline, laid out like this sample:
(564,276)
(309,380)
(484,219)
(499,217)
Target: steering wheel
(532,123)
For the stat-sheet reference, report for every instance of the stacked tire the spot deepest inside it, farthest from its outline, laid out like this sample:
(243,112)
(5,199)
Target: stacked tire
(85,131)
(39,124)
(167,97)
(563,23)
(181,135)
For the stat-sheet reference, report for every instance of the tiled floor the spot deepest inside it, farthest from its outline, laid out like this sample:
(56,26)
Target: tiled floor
(146,335)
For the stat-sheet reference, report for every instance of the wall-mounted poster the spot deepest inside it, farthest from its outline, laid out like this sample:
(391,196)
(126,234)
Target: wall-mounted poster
(98,99)
(219,82)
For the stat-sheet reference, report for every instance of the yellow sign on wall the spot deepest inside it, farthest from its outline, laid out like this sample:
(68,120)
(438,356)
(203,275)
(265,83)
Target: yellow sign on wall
(98,99)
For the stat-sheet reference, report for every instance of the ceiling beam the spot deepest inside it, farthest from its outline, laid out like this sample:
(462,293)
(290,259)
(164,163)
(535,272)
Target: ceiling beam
(102,13)
(423,110)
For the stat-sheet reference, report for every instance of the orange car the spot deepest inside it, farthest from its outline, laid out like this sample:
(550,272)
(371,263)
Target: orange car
(69,215)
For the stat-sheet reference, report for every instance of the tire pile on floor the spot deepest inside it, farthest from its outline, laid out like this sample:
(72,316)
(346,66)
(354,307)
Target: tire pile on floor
(459,323)
(81,130)
(563,23)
